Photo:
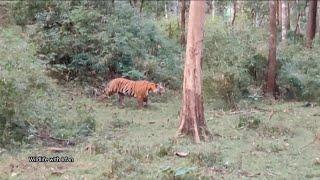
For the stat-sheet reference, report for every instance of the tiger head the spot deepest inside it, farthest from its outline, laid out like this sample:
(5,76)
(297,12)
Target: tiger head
(157,88)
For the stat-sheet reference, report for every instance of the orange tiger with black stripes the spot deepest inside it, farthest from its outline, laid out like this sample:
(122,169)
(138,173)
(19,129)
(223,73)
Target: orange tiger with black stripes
(138,89)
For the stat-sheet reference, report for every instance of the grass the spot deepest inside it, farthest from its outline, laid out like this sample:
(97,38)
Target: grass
(264,140)
(132,143)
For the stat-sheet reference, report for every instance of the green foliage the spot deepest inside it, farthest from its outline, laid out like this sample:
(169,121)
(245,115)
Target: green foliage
(299,75)
(247,121)
(171,27)
(30,104)
(24,12)
(233,59)
(82,42)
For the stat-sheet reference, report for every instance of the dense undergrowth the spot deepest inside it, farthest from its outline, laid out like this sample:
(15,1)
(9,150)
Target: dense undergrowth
(235,61)
(87,42)
(31,105)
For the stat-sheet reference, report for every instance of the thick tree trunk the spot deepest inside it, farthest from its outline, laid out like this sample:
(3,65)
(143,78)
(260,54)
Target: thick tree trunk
(183,22)
(270,88)
(284,25)
(192,120)
(311,24)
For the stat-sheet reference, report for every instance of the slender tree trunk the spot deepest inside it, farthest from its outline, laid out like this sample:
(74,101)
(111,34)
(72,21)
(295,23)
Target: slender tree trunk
(270,88)
(135,3)
(192,120)
(165,9)
(209,7)
(234,12)
(183,22)
(284,26)
(318,19)
(279,12)
(113,6)
(141,6)
(311,24)
(288,16)
(213,9)
(300,14)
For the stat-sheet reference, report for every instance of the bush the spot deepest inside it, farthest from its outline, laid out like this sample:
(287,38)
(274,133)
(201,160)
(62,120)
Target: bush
(30,103)
(233,59)
(87,44)
(299,76)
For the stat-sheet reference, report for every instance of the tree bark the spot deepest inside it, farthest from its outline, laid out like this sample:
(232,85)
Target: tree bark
(183,22)
(284,25)
(311,24)
(234,12)
(192,121)
(270,88)
(141,6)
(288,17)
(209,7)
(318,20)
(213,8)
(300,15)
(279,12)
(165,10)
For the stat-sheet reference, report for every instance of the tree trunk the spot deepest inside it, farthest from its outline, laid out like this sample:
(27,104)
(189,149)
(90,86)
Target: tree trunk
(234,12)
(300,15)
(213,8)
(318,20)
(135,3)
(311,24)
(288,16)
(141,6)
(165,10)
(279,12)
(270,88)
(183,22)
(192,120)
(284,25)
(209,7)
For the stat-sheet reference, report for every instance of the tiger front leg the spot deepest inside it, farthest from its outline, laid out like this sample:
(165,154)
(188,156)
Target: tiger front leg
(140,102)
(145,101)
(121,99)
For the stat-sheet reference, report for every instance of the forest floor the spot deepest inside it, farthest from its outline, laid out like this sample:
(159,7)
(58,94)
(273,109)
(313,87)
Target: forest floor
(262,140)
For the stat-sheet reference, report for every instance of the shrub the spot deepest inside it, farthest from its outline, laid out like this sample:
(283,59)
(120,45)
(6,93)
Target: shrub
(30,103)
(299,75)
(233,59)
(85,43)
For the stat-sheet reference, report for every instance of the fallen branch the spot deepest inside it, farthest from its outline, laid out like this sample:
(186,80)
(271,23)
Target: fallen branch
(271,114)
(58,140)
(57,149)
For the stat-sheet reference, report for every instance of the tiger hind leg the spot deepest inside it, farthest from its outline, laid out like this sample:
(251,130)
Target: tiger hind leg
(140,102)
(121,99)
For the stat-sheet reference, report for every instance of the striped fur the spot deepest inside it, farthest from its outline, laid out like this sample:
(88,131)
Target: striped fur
(138,89)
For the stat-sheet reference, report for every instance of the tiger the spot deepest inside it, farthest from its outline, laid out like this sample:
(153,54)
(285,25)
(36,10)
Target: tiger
(138,89)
